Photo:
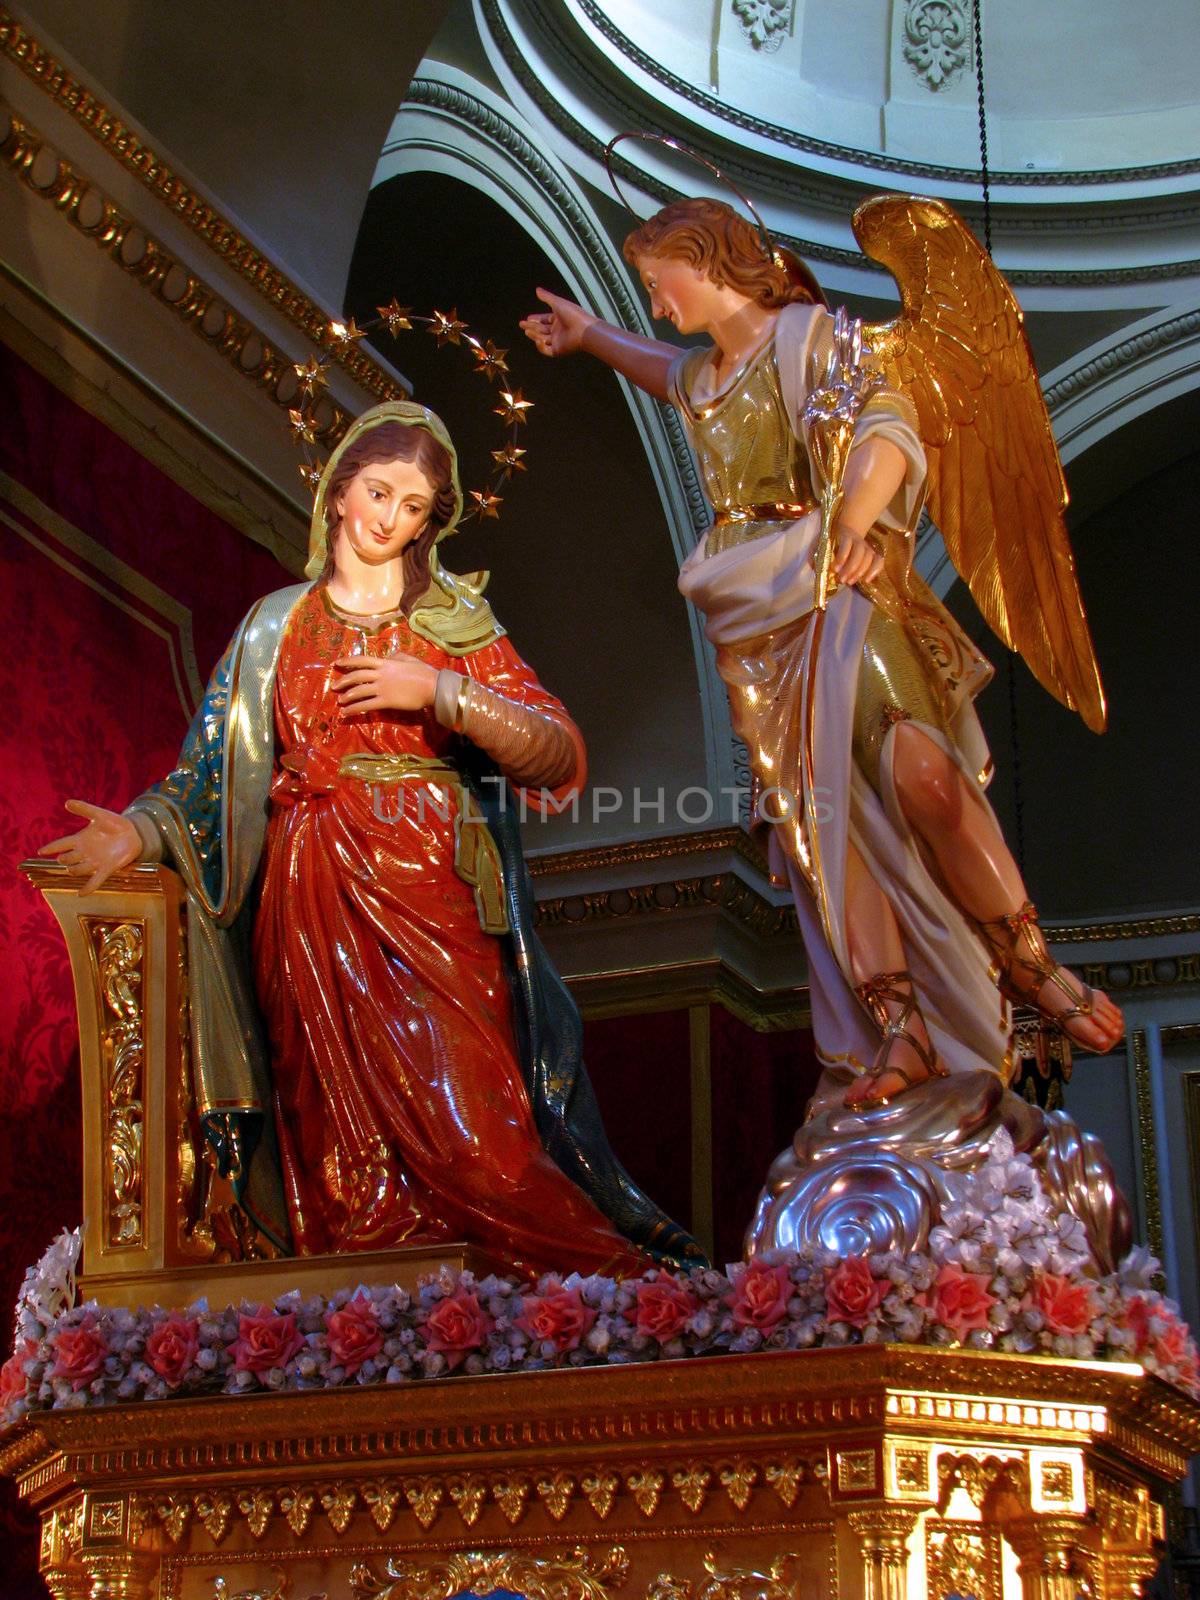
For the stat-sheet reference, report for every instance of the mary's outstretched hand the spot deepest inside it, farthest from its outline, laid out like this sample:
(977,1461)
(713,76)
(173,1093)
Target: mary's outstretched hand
(559,331)
(108,843)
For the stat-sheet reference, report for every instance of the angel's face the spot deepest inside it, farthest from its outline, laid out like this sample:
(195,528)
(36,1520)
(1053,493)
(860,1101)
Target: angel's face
(681,293)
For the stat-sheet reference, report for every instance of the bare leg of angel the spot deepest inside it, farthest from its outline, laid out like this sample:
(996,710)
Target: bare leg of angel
(905,1057)
(978,869)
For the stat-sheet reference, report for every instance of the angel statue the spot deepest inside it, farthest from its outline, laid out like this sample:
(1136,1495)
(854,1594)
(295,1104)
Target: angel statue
(370,1006)
(858,712)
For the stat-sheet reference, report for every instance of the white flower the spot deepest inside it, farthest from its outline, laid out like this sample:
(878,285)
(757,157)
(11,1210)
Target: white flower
(49,1288)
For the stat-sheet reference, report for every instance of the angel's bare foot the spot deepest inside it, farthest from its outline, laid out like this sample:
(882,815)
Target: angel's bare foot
(1030,976)
(906,1057)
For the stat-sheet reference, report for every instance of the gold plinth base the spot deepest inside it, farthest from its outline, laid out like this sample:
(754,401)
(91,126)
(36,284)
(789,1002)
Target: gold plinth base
(863,1474)
(230,1283)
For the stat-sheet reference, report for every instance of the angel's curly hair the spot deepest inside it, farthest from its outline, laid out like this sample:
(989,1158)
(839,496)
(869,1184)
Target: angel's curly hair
(715,239)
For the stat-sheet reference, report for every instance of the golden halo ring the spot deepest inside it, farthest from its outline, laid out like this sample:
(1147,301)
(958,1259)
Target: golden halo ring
(682,149)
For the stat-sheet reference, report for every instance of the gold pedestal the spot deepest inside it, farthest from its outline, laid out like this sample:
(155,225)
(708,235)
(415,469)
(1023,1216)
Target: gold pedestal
(866,1473)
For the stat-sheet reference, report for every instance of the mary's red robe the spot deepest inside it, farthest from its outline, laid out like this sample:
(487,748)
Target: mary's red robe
(401,1110)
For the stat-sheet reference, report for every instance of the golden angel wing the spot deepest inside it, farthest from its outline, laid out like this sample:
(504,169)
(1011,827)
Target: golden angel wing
(959,350)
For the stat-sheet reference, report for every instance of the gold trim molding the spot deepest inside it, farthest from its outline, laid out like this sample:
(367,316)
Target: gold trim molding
(67,92)
(144,259)
(765,1475)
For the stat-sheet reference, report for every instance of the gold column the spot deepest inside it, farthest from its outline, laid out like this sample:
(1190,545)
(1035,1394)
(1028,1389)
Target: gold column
(883,1533)
(1053,1557)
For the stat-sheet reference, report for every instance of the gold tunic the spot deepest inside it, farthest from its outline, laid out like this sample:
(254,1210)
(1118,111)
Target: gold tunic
(750,457)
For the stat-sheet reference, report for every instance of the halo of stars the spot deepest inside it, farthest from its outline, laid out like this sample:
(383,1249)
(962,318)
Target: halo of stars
(447,328)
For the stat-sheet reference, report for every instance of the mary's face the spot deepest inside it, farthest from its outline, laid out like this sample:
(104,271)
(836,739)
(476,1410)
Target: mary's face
(382,509)
(679,292)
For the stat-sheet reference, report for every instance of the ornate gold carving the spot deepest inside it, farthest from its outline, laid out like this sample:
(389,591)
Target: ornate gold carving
(646,1486)
(297,1505)
(118,950)
(1057,1480)
(785,1477)
(214,1511)
(738,1479)
(555,1493)
(510,1494)
(174,1511)
(20,46)
(281,1591)
(425,1496)
(963,1558)
(105,1520)
(692,1485)
(728,1583)
(468,1493)
(338,1501)
(912,1471)
(981,1478)
(382,1498)
(567,1575)
(257,1506)
(601,1490)
(857,1471)
(150,264)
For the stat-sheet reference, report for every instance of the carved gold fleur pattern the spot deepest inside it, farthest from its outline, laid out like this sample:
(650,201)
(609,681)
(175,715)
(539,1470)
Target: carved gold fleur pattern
(963,1558)
(646,1487)
(555,1493)
(425,1496)
(511,1494)
(256,1506)
(569,1575)
(297,1505)
(468,1494)
(214,1512)
(601,1490)
(691,1484)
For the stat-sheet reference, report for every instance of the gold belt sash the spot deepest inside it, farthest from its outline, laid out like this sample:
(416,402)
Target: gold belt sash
(768,511)
(734,525)
(476,857)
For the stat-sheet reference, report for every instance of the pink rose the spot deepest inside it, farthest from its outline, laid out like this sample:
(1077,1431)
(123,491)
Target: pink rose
(558,1317)
(853,1293)
(760,1297)
(1065,1306)
(664,1309)
(958,1300)
(457,1325)
(1137,1319)
(266,1339)
(79,1353)
(12,1375)
(171,1349)
(1175,1348)
(353,1333)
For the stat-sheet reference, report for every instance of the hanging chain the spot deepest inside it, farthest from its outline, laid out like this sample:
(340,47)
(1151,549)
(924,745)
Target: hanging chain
(977,14)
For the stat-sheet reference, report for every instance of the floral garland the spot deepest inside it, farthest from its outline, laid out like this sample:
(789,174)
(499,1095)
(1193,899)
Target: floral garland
(1003,1272)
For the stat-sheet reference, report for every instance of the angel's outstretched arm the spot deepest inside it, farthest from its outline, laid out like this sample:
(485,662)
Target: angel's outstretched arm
(567,327)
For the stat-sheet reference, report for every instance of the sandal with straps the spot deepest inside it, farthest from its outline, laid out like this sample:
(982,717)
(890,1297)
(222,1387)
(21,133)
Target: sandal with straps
(876,994)
(1003,934)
